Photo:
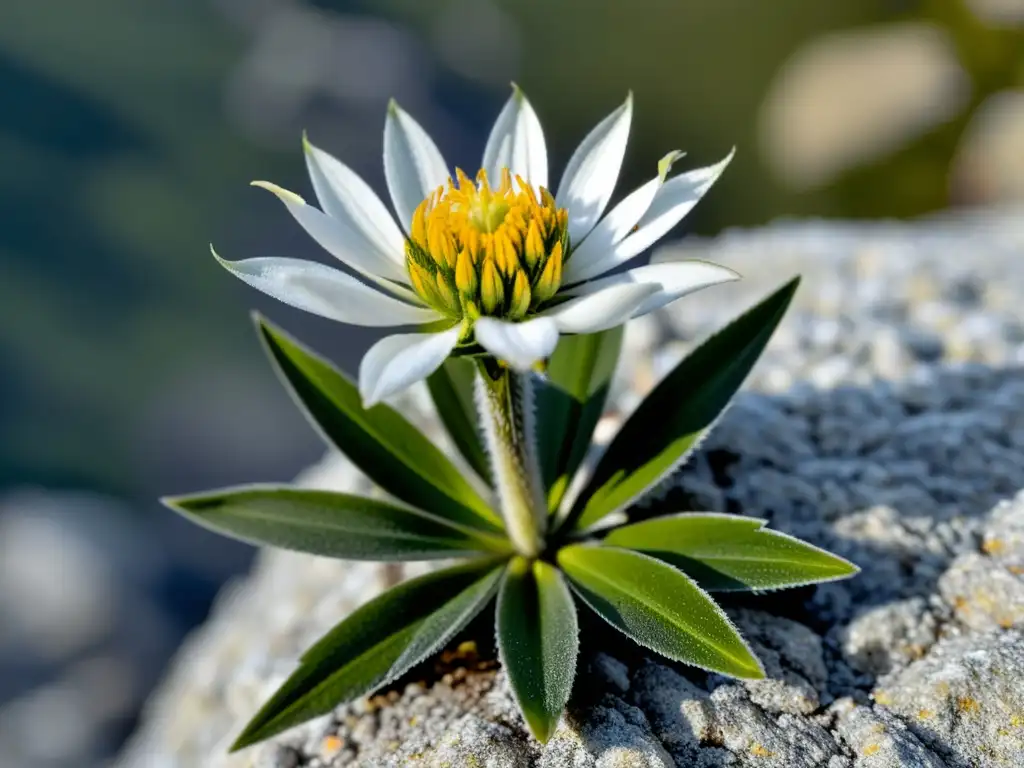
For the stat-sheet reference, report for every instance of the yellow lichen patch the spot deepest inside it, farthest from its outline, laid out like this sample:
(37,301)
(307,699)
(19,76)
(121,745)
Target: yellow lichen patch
(916,650)
(967,705)
(759,751)
(331,746)
(1016,570)
(478,250)
(992,546)
(871,749)
(1017,721)
(925,714)
(881,697)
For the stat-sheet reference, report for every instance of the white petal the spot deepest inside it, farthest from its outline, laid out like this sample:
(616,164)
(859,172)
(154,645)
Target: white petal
(587,259)
(673,280)
(517,143)
(593,169)
(346,244)
(674,200)
(399,361)
(345,196)
(518,344)
(413,165)
(325,291)
(601,309)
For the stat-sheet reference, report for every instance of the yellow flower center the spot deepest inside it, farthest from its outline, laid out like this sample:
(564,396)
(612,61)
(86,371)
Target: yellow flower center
(478,251)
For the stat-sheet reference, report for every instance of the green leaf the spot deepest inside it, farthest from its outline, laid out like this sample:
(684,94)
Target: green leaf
(658,607)
(570,403)
(451,388)
(680,411)
(729,552)
(332,524)
(538,640)
(377,643)
(390,450)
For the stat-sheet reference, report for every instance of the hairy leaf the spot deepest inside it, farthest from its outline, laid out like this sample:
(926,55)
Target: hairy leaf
(538,640)
(451,388)
(658,607)
(377,643)
(332,524)
(570,403)
(729,552)
(672,420)
(390,450)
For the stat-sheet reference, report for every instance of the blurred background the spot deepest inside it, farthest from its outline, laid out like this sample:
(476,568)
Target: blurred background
(129,130)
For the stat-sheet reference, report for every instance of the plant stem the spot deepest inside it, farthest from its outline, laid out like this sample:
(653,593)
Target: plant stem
(505,400)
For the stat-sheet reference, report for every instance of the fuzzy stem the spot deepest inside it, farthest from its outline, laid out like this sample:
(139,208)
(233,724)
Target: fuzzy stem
(505,401)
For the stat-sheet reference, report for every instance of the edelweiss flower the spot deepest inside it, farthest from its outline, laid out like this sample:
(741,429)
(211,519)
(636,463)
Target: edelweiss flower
(496,264)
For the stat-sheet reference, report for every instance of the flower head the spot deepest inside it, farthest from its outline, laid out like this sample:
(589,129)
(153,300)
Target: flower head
(494,263)
(476,250)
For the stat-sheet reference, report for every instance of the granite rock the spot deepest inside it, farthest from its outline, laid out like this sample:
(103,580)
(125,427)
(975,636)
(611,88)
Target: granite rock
(886,422)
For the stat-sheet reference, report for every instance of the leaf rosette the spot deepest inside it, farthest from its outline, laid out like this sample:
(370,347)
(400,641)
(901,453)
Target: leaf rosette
(539,538)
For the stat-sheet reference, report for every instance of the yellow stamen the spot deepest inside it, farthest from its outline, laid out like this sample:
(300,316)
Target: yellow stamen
(446,294)
(440,244)
(550,278)
(478,246)
(465,274)
(520,297)
(423,283)
(492,292)
(505,254)
(419,225)
(534,250)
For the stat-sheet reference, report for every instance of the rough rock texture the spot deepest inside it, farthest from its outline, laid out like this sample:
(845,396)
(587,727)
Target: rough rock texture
(886,422)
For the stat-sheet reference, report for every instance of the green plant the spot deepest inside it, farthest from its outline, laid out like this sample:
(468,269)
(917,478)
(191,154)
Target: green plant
(478,273)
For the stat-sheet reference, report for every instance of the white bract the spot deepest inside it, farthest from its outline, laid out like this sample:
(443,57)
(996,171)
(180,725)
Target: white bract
(499,269)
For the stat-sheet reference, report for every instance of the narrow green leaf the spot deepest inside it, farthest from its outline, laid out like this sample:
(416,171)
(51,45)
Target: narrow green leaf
(658,607)
(390,450)
(729,552)
(538,640)
(583,364)
(451,388)
(684,406)
(570,403)
(332,524)
(377,643)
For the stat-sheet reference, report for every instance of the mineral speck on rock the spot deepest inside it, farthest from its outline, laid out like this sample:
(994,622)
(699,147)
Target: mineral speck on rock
(965,699)
(879,739)
(890,636)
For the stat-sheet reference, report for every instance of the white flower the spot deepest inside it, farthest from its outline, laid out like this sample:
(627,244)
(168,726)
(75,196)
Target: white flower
(505,268)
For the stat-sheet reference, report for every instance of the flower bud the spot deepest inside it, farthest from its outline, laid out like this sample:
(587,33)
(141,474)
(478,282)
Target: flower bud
(419,225)
(534,249)
(423,283)
(550,278)
(492,291)
(446,294)
(465,274)
(520,303)
(441,245)
(505,255)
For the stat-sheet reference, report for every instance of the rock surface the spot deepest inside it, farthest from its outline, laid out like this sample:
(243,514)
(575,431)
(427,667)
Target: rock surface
(886,423)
